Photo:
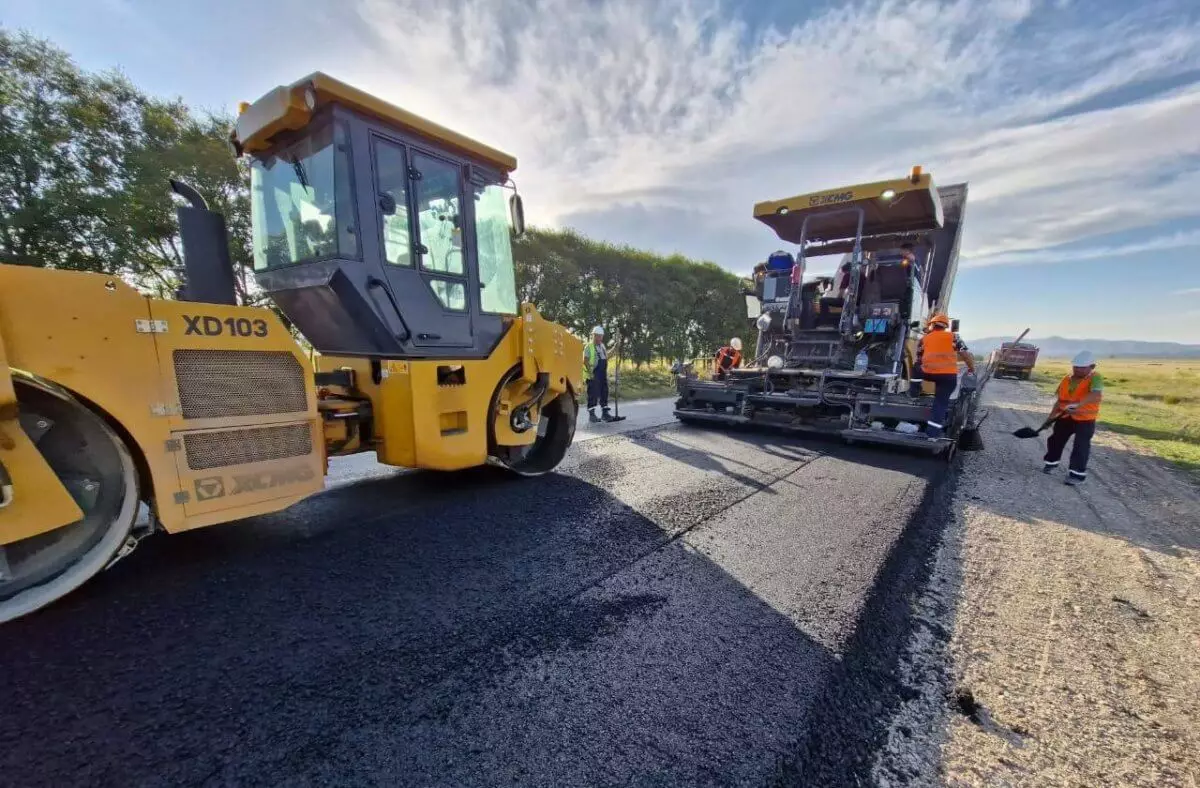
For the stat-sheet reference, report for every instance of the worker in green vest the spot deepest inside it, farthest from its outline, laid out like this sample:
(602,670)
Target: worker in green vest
(595,372)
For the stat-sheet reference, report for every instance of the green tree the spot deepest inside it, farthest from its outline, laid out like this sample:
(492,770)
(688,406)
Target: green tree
(195,150)
(659,307)
(84,166)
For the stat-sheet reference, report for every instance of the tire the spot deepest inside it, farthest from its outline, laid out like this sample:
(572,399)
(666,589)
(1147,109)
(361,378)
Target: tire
(98,470)
(556,431)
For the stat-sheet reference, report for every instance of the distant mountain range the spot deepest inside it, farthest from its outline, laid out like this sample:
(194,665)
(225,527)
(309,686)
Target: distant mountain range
(1061,347)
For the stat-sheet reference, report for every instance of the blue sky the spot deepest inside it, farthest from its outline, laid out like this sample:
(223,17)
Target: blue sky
(660,122)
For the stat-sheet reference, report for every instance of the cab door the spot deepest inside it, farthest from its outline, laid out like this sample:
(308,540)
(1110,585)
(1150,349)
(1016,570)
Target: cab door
(420,219)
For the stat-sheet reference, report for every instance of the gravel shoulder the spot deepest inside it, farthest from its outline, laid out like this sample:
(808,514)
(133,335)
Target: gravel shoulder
(1060,642)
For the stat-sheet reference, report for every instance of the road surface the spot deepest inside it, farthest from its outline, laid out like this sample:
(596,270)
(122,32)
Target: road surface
(675,606)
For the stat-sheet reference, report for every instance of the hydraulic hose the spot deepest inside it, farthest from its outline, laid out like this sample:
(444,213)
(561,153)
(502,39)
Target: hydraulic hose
(6,487)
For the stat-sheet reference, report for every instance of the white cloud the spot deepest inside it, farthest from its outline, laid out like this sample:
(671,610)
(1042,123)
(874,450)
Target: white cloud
(678,109)
(1188,291)
(1180,240)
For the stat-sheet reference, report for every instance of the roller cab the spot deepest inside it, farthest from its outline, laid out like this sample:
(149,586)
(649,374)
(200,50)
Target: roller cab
(386,241)
(378,233)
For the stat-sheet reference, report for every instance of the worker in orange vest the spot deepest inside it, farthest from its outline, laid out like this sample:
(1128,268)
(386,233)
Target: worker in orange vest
(728,357)
(1077,408)
(938,354)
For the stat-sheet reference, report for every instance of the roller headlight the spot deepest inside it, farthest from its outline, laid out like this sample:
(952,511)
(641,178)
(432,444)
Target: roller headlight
(764,321)
(775,362)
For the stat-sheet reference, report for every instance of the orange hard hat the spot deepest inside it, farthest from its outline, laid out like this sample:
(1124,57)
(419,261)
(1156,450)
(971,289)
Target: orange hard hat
(938,320)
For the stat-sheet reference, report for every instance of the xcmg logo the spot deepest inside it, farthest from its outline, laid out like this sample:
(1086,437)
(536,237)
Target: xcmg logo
(211,487)
(256,482)
(830,199)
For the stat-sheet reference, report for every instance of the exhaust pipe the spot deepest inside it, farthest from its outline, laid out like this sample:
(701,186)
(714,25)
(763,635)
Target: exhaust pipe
(207,265)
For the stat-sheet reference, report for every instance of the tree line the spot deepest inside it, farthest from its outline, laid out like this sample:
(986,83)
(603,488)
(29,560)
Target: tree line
(84,163)
(658,306)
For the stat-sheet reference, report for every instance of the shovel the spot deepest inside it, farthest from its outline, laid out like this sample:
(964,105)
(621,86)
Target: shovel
(1030,432)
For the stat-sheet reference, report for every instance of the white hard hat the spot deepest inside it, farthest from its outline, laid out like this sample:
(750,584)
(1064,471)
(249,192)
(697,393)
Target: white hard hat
(735,343)
(1084,358)
(598,330)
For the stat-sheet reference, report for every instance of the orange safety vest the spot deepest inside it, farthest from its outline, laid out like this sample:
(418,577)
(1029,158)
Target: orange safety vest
(735,357)
(1088,412)
(938,356)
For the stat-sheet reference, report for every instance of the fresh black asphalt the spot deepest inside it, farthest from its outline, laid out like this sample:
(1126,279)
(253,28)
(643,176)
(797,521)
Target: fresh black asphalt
(676,606)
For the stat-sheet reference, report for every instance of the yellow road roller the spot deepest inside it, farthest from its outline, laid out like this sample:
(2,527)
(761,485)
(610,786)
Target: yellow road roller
(385,241)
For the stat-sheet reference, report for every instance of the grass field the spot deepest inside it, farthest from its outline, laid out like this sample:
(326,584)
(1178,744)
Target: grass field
(652,380)
(1156,403)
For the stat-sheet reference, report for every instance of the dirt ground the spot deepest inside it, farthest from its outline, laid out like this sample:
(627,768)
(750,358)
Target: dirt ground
(1062,637)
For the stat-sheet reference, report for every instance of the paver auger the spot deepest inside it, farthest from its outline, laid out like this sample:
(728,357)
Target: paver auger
(837,354)
(385,239)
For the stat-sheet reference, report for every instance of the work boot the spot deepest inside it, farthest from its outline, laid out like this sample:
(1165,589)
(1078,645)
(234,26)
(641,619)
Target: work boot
(607,415)
(592,417)
(1074,481)
(1049,467)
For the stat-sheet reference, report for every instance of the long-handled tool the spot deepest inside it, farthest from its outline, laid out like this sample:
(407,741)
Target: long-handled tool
(617,383)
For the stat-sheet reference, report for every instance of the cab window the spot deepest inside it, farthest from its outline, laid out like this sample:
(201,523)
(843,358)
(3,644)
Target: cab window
(453,295)
(302,204)
(439,215)
(391,182)
(497,275)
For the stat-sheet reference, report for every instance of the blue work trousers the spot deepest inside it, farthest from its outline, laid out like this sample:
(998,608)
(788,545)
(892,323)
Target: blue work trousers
(597,386)
(944,386)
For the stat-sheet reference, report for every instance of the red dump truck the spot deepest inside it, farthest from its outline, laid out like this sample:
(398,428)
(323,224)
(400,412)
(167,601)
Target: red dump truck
(1015,360)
